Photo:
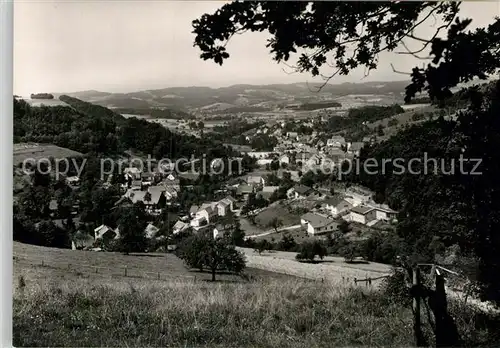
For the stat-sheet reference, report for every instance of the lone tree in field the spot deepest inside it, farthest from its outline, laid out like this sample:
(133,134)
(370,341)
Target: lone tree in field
(132,232)
(214,254)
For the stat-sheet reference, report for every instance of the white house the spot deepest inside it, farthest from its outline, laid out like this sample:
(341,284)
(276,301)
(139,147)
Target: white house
(223,207)
(218,231)
(337,204)
(383,212)
(359,195)
(259,154)
(132,172)
(317,223)
(206,211)
(365,214)
(362,214)
(255,180)
(104,231)
(73,181)
(299,191)
(336,141)
(179,227)
(264,161)
(151,231)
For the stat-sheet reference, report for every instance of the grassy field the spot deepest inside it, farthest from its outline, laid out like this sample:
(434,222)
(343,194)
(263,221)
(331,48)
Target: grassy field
(291,313)
(279,211)
(41,151)
(64,263)
(61,307)
(333,270)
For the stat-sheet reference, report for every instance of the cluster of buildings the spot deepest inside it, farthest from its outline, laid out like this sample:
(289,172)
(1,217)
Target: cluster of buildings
(207,217)
(308,150)
(354,205)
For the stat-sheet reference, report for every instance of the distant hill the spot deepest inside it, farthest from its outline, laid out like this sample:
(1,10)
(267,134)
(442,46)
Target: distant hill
(232,98)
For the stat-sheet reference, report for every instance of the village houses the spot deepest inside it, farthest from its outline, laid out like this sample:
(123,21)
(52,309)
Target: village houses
(317,224)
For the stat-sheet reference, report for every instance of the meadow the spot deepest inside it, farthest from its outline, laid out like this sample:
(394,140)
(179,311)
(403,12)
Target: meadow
(56,305)
(265,313)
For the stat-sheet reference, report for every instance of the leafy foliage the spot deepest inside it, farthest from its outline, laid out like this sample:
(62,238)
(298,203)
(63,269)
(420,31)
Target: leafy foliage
(132,230)
(310,249)
(353,36)
(215,254)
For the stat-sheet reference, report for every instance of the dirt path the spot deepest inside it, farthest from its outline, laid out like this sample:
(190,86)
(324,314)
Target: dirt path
(272,231)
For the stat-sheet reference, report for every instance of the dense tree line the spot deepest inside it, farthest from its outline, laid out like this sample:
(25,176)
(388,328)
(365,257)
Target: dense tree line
(41,96)
(90,128)
(157,113)
(316,106)
(445,202)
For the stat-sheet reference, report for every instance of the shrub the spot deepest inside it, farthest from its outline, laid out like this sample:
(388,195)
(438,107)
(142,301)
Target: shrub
(344,227)
(287,243)
(263,245)
(349,252)
(309,250)
(395,288)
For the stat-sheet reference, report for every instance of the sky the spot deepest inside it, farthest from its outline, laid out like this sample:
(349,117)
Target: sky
(124,46)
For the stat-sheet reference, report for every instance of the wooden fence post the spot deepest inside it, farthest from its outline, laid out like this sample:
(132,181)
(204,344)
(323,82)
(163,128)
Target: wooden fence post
(158,275)
(125,271)
(69,266)
(96,269)
(417,328)
(42,263)
(446,329)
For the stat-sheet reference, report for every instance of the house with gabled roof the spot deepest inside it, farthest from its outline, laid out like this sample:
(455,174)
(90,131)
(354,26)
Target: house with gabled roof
(337,204)
(151,231)
(316,223)
(299,191)
(106,232)
(179,226)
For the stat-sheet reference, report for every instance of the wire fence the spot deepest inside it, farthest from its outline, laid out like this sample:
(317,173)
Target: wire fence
(125,271)
(87,268)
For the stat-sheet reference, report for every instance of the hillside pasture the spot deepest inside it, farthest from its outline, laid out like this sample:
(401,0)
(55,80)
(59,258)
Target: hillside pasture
(403,118)
(24,151)
(292,313)
(331,269)
(279,211)
(42,262)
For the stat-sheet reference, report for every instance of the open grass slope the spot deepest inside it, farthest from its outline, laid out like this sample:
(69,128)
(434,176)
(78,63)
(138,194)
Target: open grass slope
(41,262)
(332,270)
(292,313)
(61,307)
(37,152)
